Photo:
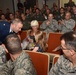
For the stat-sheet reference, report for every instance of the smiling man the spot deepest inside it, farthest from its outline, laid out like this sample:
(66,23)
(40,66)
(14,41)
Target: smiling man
(66,64)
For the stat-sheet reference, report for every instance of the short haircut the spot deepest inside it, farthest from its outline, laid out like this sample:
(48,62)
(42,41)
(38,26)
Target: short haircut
(11,13)
(16,21)
(13,44)
(70,40)
(67,13)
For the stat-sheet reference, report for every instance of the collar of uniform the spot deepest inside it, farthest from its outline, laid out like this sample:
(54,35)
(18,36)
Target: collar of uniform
(10,30)
(20,58)
(69,67)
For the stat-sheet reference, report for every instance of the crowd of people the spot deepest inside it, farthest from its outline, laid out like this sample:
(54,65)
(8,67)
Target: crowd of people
(53,20)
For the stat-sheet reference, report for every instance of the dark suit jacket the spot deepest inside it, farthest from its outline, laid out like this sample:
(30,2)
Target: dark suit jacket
(4,30)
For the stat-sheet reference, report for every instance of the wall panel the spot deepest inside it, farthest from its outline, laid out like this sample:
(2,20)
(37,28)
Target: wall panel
(4,4)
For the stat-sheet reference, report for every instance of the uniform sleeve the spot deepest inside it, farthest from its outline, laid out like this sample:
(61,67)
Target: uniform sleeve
(55,68)
(54,25)
(43,26)
(70,25)
(60,27)
(6,70)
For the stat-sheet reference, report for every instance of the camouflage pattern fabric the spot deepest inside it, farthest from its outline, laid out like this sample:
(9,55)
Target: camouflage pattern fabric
(21,66)
(2,56)
(63,67)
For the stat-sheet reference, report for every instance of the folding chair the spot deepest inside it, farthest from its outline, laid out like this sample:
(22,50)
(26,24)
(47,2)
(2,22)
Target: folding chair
(40,22)
(23,35)
(53,42)
(55,59)
(40,61)
(74,28)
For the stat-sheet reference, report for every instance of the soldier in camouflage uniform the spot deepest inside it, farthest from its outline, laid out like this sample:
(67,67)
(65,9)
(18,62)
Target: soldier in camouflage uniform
(61,14)
(26,23)
(20,63)
(38,15)
(66,64)
(67,24)
(28,15)
(49,25)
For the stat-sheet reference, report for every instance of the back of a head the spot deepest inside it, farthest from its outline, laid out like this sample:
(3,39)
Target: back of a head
(16,21)
(70,40)
(13,44)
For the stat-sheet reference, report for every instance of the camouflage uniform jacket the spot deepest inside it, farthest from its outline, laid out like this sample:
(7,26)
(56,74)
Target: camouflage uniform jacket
(21,66)
(63,67)
(2,57)
(69,26)
(52,27)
